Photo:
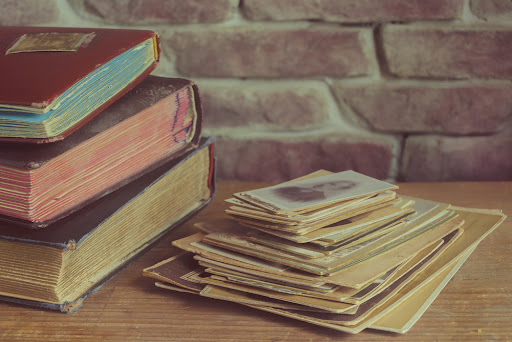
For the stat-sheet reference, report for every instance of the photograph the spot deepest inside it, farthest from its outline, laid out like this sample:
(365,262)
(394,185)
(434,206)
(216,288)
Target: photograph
(314,192)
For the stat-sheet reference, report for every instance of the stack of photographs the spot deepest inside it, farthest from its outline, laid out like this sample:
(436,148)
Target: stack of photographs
(339,250)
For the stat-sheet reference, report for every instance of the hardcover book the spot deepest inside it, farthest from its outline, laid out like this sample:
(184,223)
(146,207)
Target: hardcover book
(56,79)
(156,121)
(58,267)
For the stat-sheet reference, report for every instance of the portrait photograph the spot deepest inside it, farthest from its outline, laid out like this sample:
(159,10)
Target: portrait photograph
(313,192)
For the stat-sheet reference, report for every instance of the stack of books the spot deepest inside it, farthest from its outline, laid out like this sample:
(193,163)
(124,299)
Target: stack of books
(339,250)
(98,158)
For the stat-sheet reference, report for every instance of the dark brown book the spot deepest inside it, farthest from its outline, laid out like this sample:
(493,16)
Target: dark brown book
(58,267)
(41,183)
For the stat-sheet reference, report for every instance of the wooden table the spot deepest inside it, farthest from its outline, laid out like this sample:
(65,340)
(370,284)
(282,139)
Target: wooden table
(475,305)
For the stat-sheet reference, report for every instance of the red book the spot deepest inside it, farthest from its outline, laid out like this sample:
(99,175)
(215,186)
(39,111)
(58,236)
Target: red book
(54,80)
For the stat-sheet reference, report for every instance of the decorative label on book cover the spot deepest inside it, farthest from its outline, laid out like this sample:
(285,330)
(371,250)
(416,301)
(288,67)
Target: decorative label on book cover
(50,41)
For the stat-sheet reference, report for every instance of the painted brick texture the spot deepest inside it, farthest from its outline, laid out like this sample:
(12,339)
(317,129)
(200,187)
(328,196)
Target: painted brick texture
(448,53)
(352,11)
(281,109)
(28,12)
(280,160)
(402,90)
(129,12)
(242,52)
(492,9)
(413,108)
(434,158)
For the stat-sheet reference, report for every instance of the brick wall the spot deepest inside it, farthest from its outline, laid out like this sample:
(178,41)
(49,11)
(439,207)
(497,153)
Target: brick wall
(409,90)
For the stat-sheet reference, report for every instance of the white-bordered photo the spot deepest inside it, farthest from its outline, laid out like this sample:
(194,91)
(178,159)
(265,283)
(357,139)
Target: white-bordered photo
(314,192)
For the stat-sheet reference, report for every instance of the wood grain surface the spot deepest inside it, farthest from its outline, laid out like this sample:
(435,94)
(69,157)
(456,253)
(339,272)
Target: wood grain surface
(475,305)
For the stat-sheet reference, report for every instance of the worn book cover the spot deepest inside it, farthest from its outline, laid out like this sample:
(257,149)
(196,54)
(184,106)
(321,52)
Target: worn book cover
(55,79)
(59,266)
(158,120)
